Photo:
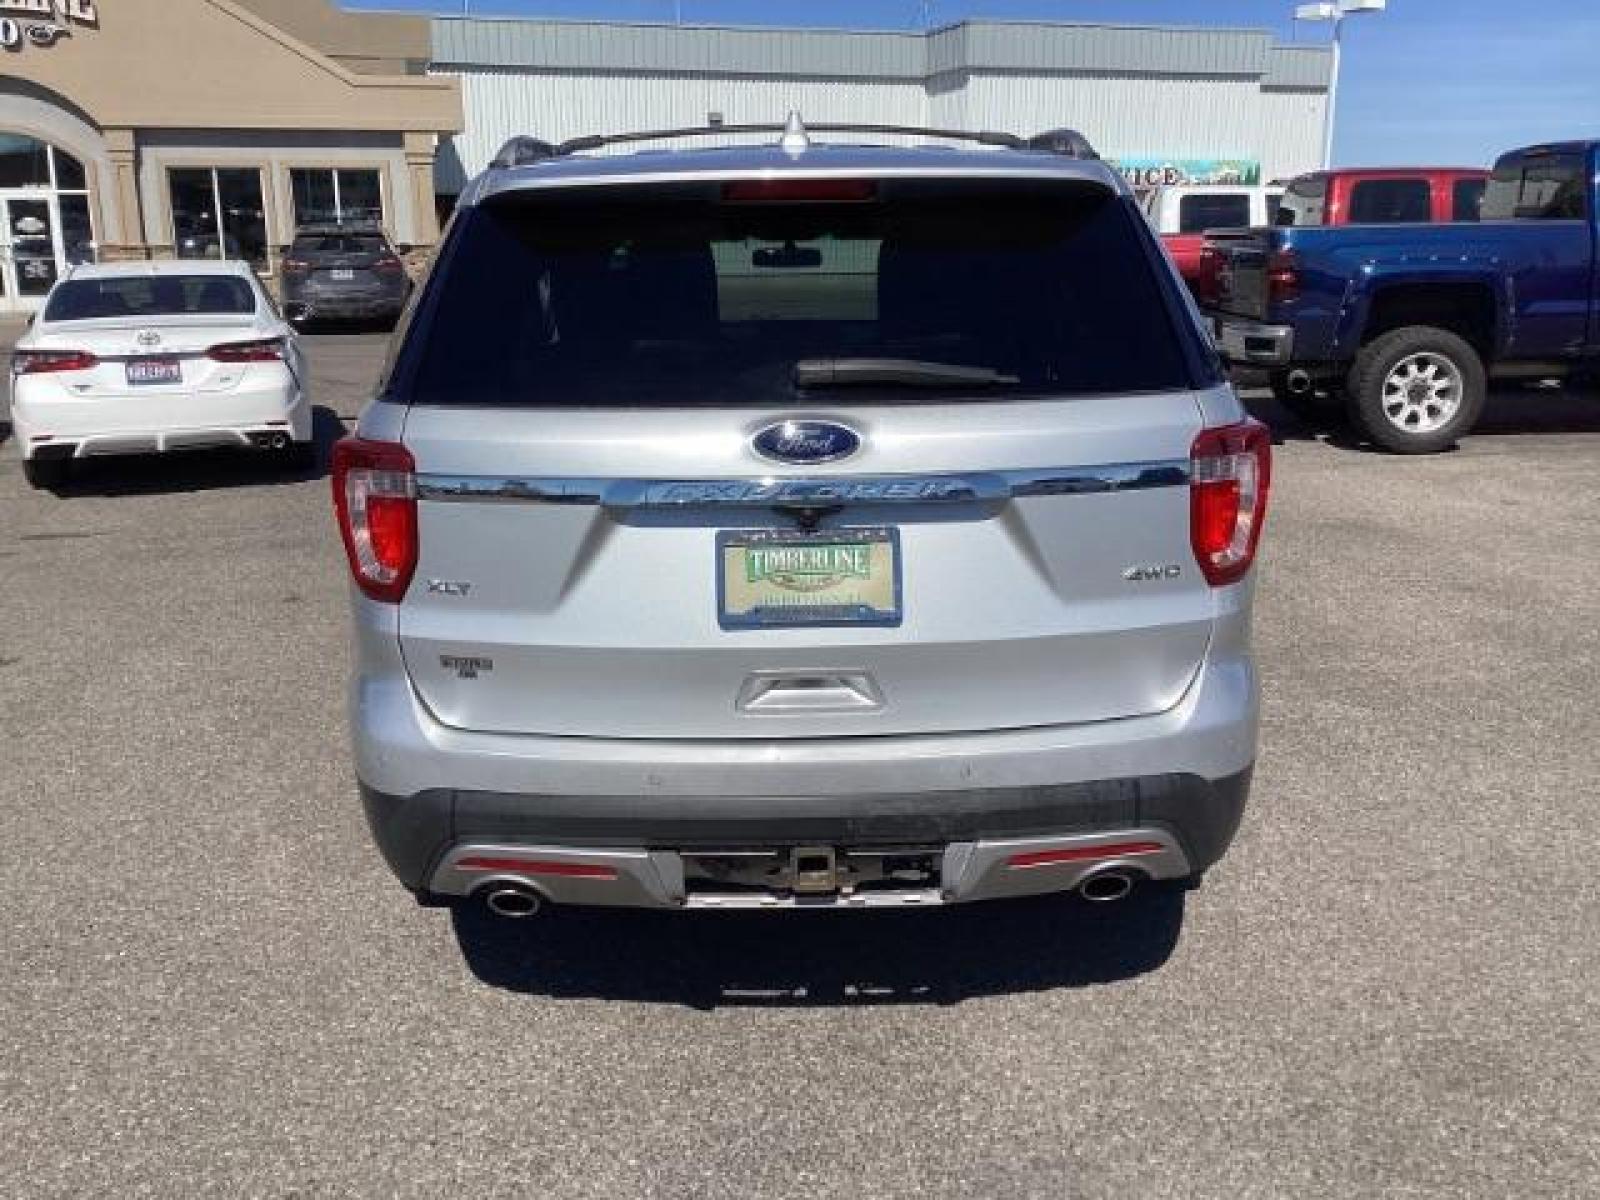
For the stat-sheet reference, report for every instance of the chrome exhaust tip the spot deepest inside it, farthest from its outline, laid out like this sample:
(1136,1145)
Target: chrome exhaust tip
(513,901)
(1300,382)
(1105,886)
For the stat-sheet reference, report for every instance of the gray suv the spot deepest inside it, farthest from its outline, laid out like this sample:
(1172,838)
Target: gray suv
(806,524)
(343,273)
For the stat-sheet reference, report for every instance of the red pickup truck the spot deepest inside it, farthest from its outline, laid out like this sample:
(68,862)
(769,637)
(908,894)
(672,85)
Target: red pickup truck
(1383,196)
(1355,196)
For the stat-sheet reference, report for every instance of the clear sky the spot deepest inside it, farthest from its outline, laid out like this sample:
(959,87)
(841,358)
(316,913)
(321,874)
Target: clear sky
(1438,81)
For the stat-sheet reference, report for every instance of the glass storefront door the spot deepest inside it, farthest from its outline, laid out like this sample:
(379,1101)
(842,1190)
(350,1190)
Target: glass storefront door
(44,219)
(30,249)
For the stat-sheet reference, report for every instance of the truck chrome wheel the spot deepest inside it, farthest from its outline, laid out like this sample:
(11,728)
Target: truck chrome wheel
(1422,393)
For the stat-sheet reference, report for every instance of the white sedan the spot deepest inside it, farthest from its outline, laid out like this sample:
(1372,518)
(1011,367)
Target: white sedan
(141,358)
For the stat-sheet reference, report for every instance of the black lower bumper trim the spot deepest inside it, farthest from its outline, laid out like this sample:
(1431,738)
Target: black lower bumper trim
(413,832)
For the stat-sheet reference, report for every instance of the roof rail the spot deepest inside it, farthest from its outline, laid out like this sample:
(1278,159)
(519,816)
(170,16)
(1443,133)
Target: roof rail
(520,151)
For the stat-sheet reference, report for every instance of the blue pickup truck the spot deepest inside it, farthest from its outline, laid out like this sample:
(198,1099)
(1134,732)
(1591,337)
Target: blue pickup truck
(1404,324)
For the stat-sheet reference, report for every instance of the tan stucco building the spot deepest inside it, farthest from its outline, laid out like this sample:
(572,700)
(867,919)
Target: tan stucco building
(159,128)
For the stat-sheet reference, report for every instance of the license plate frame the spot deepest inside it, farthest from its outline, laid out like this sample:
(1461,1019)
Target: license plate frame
(884,571)
(153,372)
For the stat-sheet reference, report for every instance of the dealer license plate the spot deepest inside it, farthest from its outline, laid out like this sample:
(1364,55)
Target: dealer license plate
(780,578)
(155,370)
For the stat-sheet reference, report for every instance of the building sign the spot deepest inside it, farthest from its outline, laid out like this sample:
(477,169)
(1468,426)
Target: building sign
(42,22)
(1169,172)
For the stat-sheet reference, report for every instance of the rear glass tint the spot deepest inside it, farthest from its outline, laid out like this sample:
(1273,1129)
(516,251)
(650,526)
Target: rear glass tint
(1537,187)
(1466,199)
(667,295)
(1225,210)
(337,243)
(1391,202)
(150,296)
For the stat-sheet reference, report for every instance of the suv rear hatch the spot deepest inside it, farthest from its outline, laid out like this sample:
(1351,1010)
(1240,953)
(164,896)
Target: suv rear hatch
(612,545)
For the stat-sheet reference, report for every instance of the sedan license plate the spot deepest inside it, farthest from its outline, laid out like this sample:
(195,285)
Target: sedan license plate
(343,274)
(155,370)
(782,579)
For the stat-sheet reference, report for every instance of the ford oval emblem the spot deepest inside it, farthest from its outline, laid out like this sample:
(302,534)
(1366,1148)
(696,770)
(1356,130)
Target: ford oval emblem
(806,442)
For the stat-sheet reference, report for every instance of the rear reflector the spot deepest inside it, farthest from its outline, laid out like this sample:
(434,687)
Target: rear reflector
(1231,476)
(375,498)
(526,866)
(266,350)
(49,362)
(1049,858)
(799,191)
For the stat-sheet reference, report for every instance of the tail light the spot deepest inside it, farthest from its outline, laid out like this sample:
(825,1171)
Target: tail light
(295,266)
(1283,276)
(48,362)
(799,191)
(1232,473)
(1208,281)
(375,497)
(389,266)
(266,350)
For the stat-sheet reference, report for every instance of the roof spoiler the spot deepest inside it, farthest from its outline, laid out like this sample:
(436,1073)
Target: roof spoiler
(522,150)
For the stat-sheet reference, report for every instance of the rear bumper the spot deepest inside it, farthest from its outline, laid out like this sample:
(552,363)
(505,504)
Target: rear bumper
(335,305)
(1242,341)
(68,426)
(633,851)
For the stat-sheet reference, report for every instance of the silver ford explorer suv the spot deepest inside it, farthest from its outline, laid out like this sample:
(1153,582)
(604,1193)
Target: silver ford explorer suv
(811,523)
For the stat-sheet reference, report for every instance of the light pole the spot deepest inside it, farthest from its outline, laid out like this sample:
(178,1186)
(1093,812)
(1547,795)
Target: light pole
(1335,11)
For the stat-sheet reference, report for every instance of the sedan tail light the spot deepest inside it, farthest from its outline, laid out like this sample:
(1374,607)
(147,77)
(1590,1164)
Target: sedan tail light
(295,266)
(266,350)
(375,497)
(48,362)
(1232,474)
(389,266)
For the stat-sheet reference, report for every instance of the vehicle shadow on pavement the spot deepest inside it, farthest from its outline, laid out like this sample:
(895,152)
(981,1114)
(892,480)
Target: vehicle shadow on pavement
(200,470)
(711,960)
(1510,411)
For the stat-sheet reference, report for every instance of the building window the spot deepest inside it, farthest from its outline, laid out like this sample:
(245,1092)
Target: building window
(339,197)
(217,213)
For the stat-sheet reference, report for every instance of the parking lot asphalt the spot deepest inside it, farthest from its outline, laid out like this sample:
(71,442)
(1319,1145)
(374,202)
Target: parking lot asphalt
(210,984)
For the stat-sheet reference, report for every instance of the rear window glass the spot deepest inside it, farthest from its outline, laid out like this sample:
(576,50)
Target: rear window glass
(338,243)
(668,295)
(1391,202)
(150,296)
(1544,187)
(1466,199)
(1224,210)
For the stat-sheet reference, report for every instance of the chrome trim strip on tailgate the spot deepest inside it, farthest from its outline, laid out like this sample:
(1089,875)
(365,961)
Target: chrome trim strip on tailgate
(846,489)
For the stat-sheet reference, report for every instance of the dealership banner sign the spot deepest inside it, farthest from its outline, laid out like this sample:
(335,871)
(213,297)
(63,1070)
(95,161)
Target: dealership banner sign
(42,22)
(1169,172)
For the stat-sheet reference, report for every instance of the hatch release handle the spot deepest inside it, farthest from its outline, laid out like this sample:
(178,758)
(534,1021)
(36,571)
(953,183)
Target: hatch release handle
(787,693)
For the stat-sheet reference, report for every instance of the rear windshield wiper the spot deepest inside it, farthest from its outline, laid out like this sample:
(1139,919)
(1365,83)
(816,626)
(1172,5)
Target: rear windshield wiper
(911,372)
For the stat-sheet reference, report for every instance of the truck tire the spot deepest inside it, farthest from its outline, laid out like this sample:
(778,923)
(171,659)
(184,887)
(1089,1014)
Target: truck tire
(1417,390)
